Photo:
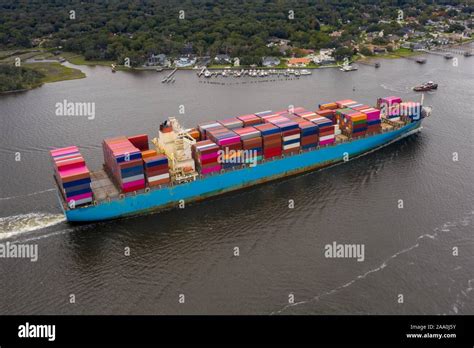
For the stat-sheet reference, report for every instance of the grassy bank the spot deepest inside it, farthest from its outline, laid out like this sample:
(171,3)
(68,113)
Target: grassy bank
(402,52)
(33,75)
(78,59)
(54,72)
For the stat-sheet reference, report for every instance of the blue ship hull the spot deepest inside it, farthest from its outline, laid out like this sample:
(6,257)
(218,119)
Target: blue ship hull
(212,185)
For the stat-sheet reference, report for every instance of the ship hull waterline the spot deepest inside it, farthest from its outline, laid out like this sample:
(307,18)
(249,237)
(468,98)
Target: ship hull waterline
(232,180)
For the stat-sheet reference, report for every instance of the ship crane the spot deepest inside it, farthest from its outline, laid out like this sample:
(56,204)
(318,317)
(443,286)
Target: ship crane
(176,142)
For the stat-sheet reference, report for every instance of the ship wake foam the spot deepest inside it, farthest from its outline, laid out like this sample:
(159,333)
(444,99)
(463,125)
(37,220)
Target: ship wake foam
(27,195)
(24,223)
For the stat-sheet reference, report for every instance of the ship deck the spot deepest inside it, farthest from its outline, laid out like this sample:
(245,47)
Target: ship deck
(102,186)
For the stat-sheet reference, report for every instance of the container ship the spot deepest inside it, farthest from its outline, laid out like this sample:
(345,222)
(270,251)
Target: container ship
(180,166)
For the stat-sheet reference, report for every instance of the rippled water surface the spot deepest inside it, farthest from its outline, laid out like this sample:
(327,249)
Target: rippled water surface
(408,251)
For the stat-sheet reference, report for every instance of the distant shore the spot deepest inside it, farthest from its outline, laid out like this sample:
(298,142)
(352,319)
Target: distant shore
(50,64)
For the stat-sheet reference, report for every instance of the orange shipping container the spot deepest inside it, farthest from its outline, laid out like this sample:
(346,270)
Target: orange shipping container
(328,106)
(149,153)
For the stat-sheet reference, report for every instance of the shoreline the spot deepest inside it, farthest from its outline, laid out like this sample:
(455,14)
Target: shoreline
(78,60)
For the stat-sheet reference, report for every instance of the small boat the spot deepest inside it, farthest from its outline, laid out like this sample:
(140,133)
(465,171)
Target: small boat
(467,54)
(159,69)
(428,86)
(448,56)
(305,72)
(207,73)
(377,65)
(113,66)
(421,60)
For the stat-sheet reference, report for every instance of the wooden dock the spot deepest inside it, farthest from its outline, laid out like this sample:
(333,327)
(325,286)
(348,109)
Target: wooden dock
(169,77)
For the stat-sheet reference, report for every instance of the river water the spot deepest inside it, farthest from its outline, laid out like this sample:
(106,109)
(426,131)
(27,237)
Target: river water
(408,266)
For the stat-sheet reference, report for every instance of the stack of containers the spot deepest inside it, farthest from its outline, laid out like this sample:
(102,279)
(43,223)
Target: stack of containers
(299,110)
(203,127)
(325,130)
(373,120)
(271,139)
(293,117)
(306,114)
(290,134)
(341,115)
(139,141)
(353,105)
(341,104)
(310,116)
(360,107)
(251,141)
(124,162)
(309,134)
(156,170)
(232,123)
(72,175)
(329,113)
(355,124)
(206,154)
(250,120)
(229,142)
(263,115)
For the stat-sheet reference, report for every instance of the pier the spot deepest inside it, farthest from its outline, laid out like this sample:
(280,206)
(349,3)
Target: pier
(369,63)
(170,77)
(457,50)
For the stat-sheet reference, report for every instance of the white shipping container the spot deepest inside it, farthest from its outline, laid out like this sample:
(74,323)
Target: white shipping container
(158,177)
(291,146)
(291,137)
(327,137)
(133,178)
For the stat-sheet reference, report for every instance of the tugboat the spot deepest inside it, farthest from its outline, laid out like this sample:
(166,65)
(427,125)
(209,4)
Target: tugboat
(428,86)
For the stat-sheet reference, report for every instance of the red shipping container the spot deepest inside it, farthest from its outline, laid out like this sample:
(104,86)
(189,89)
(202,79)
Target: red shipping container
(290,132)
(159,182)
(139,141)
(272,152)
(326,129)
(291,151)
